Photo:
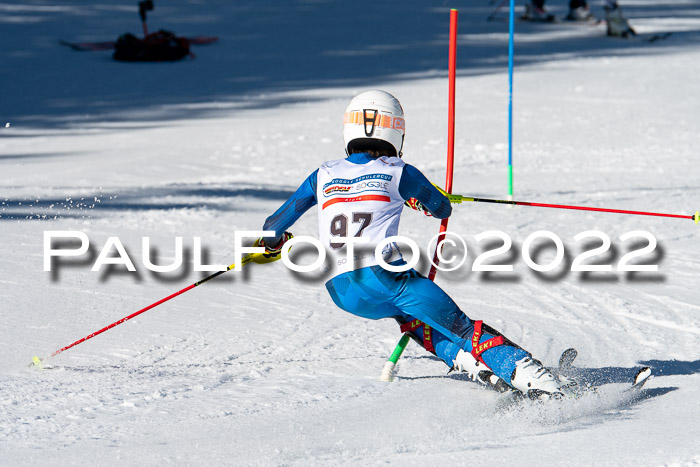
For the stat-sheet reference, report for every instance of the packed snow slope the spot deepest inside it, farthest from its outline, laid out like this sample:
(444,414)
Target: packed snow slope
(259,367)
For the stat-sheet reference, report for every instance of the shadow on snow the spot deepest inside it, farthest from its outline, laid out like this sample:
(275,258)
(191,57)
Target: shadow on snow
(266,48)
(158,198)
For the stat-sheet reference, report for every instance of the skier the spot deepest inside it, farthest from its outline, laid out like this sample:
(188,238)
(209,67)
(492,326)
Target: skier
(578,11)
(363,196)
(617,25)
(535,11)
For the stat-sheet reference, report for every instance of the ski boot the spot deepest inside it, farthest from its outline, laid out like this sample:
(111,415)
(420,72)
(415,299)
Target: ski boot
(536,382)
(534,11)
(582,13)
(478,371)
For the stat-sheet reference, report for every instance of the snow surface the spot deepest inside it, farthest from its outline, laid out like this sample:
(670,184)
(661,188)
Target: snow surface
(261,368)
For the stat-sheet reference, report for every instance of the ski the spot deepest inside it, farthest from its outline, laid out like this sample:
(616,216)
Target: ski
(549,19)
(567,359)
(566,369)
(513,396)
(88,46)
(654,37)
(640,379)
(544,19)
(109,45)
(201,40)
(488,380)
(650,38)
(590,21)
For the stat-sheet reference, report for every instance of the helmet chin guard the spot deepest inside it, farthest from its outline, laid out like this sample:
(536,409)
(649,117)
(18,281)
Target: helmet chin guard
(374,120)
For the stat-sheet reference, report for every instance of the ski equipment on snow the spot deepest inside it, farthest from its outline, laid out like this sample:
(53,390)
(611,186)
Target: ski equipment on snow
(389,370)
(567,359)
(458,199)
(479,372)
(160,46)
(109,45)
(535,381)
(576,389)
(36,361)
(640,379)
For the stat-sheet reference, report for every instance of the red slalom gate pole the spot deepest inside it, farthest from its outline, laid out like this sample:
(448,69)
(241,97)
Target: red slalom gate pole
(388,372)
(452,72)
(38,361)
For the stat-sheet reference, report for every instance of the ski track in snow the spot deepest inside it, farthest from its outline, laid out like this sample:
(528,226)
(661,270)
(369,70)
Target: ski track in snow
(259,367)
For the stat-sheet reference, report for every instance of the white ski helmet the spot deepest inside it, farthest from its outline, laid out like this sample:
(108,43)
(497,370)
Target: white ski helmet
(374,120)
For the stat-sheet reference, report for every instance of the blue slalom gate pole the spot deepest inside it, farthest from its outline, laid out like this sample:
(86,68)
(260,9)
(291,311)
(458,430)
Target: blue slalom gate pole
(511,22)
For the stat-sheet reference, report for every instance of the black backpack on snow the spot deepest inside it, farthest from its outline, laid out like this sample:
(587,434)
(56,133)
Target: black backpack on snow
(160,46)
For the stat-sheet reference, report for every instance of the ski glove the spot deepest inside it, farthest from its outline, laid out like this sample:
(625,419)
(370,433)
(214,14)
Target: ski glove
(413,203)
(272,252)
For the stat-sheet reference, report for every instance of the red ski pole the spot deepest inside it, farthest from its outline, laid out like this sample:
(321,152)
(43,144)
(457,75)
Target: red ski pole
(457,199)
(38,361)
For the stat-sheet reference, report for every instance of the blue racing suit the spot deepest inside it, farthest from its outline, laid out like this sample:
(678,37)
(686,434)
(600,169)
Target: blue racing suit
(375,293)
